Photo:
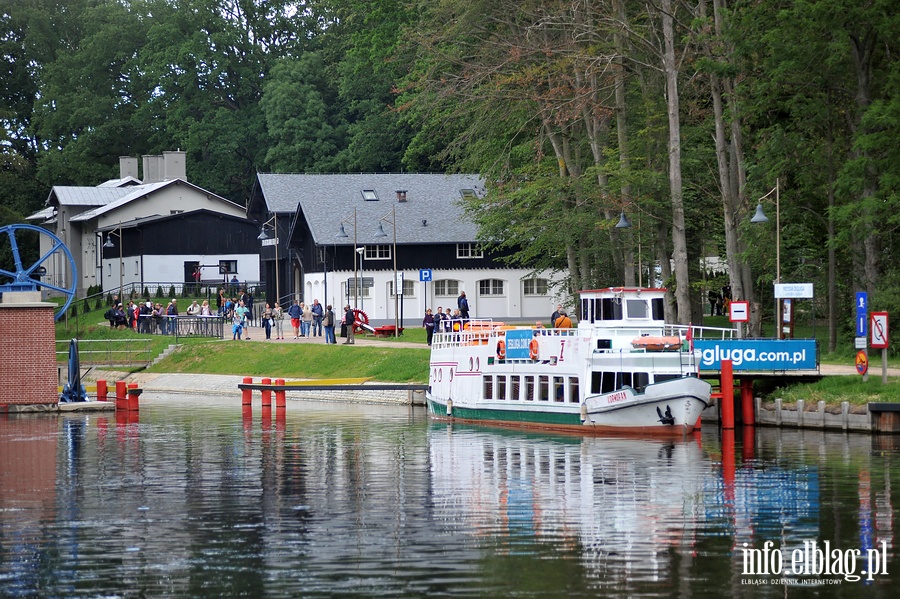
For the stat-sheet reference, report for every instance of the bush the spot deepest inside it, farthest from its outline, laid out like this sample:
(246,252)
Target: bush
(171,291)
(159,292)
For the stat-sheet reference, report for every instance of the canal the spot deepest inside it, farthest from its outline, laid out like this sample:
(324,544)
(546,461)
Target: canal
(193,498)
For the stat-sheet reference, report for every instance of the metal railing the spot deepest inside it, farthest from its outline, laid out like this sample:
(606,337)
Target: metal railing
(130,353)
(182,326)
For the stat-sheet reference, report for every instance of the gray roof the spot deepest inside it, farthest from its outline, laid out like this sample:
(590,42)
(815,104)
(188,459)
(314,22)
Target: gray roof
(327,200)
(87,196)
(138,191)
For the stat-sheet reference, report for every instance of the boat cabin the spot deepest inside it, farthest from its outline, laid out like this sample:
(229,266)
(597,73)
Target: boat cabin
(616,307)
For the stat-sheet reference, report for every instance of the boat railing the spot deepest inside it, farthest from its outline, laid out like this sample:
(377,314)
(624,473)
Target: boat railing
(480,333)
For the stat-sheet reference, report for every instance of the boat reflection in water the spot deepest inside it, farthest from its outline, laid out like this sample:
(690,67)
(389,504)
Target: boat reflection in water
(624,503)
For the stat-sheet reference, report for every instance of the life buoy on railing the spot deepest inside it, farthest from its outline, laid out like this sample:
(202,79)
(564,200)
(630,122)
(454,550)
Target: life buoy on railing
(501,349)
(533,349)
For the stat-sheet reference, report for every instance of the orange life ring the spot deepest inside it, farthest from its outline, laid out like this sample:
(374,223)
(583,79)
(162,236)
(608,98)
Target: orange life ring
(533,349)
(501,349)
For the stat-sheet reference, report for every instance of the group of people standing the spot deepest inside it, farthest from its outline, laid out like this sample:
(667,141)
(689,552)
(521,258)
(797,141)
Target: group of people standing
(312,320)
(444,321)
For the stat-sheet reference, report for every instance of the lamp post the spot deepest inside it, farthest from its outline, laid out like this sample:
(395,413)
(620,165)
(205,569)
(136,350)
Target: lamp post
(263,237)
(362,275)
(342,234)
(381,234)
(760,217)
(109,244)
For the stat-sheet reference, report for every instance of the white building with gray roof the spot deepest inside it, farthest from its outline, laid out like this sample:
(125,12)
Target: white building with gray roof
(335,231)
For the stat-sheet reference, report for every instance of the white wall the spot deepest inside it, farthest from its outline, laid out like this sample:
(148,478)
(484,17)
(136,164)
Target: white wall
(170,269)
(379,305)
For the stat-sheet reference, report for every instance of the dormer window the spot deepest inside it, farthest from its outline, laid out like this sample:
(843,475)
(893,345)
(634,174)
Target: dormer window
(401,195)
(468,194)
(369,195)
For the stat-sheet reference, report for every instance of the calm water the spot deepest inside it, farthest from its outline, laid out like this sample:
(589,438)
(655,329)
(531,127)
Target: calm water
(196,499)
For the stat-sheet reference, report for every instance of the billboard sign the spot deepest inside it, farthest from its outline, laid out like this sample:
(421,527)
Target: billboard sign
(758,354)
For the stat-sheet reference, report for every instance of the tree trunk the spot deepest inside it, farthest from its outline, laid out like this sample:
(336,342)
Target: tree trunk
(679,238)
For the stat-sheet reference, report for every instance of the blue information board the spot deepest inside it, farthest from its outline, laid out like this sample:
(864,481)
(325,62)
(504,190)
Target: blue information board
(517,344)
(758,354)
(862,314)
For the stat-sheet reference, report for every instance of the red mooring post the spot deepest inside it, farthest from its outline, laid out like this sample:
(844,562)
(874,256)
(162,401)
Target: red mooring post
(102,391)
(247,394)
(133,394)
(726,382)
(121,398)
(280,399)
(748,413)
(267,393)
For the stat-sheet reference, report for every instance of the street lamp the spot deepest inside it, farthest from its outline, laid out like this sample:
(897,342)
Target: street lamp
(360,284)
(760,217)
(342,234)
(263,237)
(381,234)
(109,245)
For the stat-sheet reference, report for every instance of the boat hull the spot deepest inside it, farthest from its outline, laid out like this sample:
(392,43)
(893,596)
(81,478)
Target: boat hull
(671,409)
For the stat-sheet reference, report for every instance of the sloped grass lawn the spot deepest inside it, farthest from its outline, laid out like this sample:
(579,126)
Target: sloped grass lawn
(313,361)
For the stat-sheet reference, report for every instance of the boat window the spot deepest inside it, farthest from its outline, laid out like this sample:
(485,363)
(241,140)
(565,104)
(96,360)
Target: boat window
(612,309)
(489,387)
(501,387)
(596,380)
(640,380)
(658,378)
(585,315)
(604,343)
(611,382)
(514,387)
(574,396)
(544,388)
(625,380)
(559,389)
(658,306)
(529,388)
(637,308)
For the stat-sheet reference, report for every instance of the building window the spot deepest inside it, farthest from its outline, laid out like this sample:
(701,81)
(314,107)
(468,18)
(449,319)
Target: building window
(227,267)
(409,288)
(176,211)
(362,291)
(446,288)
(369,195)
(468,194)
(536,286)
(469,250)
(490,287)
(378,252)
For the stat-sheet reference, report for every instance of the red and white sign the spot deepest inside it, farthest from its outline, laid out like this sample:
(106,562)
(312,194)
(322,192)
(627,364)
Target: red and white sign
(739,311)
(878,330)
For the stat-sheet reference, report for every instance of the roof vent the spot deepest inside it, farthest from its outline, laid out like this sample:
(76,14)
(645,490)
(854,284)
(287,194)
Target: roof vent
(401,195)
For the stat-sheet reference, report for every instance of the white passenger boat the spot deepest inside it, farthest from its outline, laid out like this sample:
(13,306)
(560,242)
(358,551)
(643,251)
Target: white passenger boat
(621,370)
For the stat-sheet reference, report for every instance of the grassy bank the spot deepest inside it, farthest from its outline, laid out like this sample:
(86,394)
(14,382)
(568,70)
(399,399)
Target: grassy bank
(300,360)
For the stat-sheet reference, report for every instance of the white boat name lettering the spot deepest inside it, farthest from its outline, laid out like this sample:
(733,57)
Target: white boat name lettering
(517,343)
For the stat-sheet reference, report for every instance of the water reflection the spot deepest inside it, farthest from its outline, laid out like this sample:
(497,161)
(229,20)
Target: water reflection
(201,498)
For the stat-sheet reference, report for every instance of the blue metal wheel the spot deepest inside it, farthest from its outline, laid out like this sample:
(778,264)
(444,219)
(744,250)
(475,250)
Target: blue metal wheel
(56,263)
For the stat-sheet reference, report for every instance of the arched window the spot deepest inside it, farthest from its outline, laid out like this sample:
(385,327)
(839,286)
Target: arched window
(490,287)
(446,288)
(535,286)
